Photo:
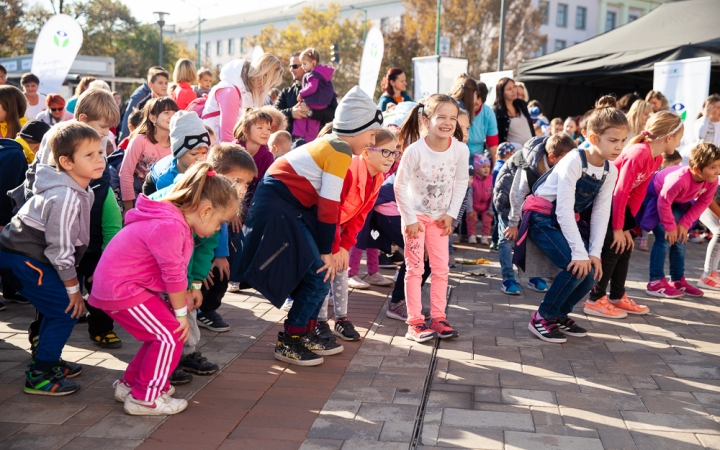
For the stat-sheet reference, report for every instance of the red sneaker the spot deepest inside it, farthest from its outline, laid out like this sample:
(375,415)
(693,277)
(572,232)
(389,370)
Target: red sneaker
(687,288)
(443,329)
(420,333)
(661,288)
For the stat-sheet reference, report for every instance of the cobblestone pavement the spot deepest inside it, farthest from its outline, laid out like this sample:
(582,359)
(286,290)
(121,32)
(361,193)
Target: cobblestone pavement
(644,382)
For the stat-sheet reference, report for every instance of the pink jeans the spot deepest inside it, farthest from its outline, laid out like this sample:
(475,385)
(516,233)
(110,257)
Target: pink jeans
(437,247)
(152,323)
(373,256)
(471,222)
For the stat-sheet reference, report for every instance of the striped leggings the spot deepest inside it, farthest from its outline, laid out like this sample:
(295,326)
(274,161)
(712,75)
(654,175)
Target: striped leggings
(153,323)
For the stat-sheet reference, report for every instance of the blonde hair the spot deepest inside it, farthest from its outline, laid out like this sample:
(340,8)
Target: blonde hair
(311,54)
(526,94)
(659,126)
(638,109)
(703,155)
(99,84)
(281,134)
(658,95)
(202,182)
(327,129)
(226,157)
(98,104)
(83,86)
(184,71)
(262,75)
(279,121)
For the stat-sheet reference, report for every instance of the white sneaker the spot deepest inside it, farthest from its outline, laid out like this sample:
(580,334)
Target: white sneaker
(472,239)
(122,390)
(357,283)
(287,305)
(484,240)
(162,406)
(233,287)
(377,279)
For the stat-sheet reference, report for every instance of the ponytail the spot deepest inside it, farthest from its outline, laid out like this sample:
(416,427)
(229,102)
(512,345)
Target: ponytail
(660,125)
(202,182)
(410,129)
(606,116)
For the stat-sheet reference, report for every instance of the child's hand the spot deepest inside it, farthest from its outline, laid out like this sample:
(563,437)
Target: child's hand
(630,244)
(619,242)
(329,266)
(183,329)
(511,233)
(579,268)
(77,305)
(682,234)
(236,224)
(671,236)
(411,231)
(223,267)
(299,99)
(446,223)
(195,299)
(597,265)
(342,259)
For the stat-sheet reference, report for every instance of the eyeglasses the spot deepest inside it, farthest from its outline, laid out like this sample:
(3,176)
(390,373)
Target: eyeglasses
(385,152)
(57,109)
(294,66)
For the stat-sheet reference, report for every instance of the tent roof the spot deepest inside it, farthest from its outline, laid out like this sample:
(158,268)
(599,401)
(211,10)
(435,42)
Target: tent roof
(672,31)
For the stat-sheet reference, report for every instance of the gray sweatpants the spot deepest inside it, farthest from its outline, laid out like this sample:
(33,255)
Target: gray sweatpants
(339,294)
(194,337)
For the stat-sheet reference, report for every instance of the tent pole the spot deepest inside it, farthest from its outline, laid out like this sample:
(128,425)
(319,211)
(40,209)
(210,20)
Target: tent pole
(501,47)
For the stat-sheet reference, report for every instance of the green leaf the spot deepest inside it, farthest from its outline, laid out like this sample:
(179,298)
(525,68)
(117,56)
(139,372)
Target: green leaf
(66,42)
(683,115)
(56,40)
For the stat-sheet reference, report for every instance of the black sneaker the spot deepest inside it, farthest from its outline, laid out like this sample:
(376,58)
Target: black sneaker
(397,257)
(571,328)
(386,262)
(70,370)
(52,383)
(323,347)
(345,330)
(291,349)
(323,331)
(196,363)
(179,376)
(546,330)
(15,297)
(107,340)
(212,321)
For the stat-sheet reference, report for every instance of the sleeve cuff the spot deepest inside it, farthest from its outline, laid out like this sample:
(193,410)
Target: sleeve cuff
(177,286)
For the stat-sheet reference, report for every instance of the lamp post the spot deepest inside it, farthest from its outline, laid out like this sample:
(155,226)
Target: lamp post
(501,47)
(364,23)
(161,24)
(437,27)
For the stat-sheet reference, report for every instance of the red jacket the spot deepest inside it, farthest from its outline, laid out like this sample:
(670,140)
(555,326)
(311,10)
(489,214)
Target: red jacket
(482,193)
(183,95)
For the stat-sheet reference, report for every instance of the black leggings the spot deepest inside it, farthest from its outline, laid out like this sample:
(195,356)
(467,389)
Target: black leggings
(615,269)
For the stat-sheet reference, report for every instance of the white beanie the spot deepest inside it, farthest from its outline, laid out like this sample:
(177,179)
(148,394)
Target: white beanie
(356,113)
(187,132)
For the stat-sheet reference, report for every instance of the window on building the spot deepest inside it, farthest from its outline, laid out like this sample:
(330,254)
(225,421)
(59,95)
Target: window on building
(231,46)
(542,50)
(242,46)
(560,44)
(207,49)
(385,25)
(610,20)
(219,48)
(544,11)
(632,17)
(562,14)
(581,18)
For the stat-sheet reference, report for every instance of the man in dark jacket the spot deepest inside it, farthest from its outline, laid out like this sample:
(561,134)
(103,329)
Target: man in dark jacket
(287,100)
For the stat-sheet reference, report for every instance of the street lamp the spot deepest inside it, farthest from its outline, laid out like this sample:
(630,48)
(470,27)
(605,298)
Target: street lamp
(365,22)
(501,44)
(161,24)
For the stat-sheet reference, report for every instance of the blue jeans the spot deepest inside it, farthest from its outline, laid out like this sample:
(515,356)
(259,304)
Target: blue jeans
(309,295)
(505,249)
(660,250)
(567,290)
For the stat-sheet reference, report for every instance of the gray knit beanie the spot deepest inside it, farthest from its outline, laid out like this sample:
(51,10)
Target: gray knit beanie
(187,132)
(356,113)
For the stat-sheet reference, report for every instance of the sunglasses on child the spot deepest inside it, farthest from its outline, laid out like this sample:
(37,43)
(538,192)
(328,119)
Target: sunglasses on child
(385,152)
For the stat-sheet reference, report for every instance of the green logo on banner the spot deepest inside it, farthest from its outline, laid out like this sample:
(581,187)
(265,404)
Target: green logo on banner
(61,39)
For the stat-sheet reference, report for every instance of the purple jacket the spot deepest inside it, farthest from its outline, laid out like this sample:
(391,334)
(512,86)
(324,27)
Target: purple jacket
(317,87)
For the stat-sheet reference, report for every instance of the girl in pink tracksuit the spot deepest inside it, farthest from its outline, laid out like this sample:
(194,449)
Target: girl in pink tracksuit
(150,257)
(482,198)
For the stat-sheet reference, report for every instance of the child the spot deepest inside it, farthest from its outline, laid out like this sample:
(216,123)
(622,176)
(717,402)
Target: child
(159,84)
(204,82)
(556,126)
(44,242)
(183,75)
(12,111)
(13,165)
(189,141)
(317,92)
(289,230)
(35,102)
(279,121)
(430,188)
(360,190)
(504,152)
(482,196)
(252,133)
(707,125)
(3,75)
(581,179)
(151,143)
(571,128)
(150,256)
(279,143)
(116,158)
(636,165)
(30,137)
(670,213)
(672,159)
(711,219)
(137,96)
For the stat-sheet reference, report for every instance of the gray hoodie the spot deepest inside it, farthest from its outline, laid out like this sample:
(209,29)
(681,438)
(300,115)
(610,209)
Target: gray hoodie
(53,226)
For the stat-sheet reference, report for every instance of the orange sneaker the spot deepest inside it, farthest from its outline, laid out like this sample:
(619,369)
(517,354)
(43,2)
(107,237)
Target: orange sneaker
(603,308)
(629,306)
(711,281)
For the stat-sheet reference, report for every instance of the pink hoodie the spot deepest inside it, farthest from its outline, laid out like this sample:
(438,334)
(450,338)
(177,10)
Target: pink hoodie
(148,256)
(676,185)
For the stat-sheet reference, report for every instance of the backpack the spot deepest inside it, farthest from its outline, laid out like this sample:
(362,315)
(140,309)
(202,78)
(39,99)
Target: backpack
(198,106)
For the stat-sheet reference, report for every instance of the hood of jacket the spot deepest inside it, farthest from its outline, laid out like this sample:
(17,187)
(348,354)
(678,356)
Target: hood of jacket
(11,144)
(231,72)
(146,209)
(534,151)
(49,178)
(325,71)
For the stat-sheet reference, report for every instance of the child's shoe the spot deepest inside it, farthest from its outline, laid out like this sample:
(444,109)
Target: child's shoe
(377,279)
(602,308)
(233,286)
(397,311)
(179,376)
(511,287)
(484,240)
(287,305)
(107,340)
(323,347)
(122,390)
(661,288)
(695,237)
(196,363)
(420,333)
(70,370)
(52,382)
(455,238)
(629,306)
(323,331)
(161,406)
(546,330)
(357,283)
(537,285)
(687,288)
(571,328)
(494,247)
(291,349)
(711,281)
(642,244)
(472,239)
(212,321)
(443,329)
(345,330)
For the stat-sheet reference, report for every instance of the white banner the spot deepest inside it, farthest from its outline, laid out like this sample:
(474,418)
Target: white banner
(371,61)
(686,85)
(490,79)
(449,70)
(56,47)
(425,75)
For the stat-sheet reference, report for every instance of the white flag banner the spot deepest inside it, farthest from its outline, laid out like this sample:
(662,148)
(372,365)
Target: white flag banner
(371,61)
(490,79)
(56,47)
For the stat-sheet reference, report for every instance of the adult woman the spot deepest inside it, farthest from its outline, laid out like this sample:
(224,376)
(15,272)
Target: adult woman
(35,101)
(242,85)
(471,96)
(658,101)
(513,119)
(55,112)
(184,74)
(81,87)
(522,91)
(637,117)
(393,85)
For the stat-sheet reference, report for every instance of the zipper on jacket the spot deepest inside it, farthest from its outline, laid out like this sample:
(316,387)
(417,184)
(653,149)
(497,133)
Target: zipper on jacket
(274,256)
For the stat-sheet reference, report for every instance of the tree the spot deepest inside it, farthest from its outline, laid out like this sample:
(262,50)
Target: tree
(320,30)
(12,33)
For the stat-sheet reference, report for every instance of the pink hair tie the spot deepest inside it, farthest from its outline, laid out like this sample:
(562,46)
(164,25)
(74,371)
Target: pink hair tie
(211,173)
(645,133)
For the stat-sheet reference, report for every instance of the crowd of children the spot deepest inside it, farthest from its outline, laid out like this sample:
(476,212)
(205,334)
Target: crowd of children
(207,193)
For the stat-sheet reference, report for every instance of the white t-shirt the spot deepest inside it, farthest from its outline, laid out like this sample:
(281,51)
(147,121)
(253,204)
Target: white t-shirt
(560,186)
(707,131)
(431,183)
(519,131)
(32,111)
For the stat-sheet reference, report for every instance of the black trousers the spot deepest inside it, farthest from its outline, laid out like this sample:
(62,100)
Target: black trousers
(212,297)
(615,269)
(398,292)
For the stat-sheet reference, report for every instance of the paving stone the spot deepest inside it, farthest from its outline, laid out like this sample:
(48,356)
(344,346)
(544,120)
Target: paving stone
(670,422)
(321,444)
(474,378)
(356,444)
(346,409)
(709,441)
(486,419)
(468,437)
(642,382)
(685,371)
(708,400)
(369,394)
(339,428)
(528,397)
(31,441)
(486,395)
(658,440)
(670,383)
(30,413)
(87,443)
(546,416)
(601,402)
(606,384)
(670,402)
(582,417)
(616,439)
(377,412)
(450,399)
(123,426)
(397,431)
(524,381)
(520,441)
(562,430)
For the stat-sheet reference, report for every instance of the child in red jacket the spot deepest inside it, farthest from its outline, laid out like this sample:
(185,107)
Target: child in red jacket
(481,199)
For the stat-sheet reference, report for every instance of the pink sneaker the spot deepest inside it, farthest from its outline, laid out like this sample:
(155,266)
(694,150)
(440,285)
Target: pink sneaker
(661,288)
(711,281)
(685,287)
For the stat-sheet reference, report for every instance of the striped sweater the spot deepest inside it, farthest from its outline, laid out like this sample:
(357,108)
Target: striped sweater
(314,175)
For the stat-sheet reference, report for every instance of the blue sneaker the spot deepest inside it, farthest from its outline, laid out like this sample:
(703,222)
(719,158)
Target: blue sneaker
(538,285)
(511,287)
